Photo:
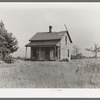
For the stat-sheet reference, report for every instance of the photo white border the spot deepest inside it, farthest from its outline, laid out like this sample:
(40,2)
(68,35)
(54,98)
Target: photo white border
(51,92)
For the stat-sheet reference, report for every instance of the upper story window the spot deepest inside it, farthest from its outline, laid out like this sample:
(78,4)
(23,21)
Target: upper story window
(65,39)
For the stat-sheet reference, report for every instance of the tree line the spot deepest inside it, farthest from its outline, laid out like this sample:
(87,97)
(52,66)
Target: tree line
(77,55)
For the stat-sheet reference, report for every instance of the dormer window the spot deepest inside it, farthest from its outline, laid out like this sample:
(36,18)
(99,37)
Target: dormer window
(65,39)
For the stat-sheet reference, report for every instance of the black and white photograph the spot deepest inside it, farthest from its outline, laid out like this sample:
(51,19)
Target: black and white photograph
(50,45)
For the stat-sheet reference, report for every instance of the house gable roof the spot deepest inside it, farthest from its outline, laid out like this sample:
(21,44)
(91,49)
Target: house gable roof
(69,37)
(49,36)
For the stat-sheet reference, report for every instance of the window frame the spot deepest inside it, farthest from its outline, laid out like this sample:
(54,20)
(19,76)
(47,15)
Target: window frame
(65,39)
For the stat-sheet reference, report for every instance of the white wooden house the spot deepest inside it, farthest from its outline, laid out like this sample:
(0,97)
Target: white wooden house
(50,45)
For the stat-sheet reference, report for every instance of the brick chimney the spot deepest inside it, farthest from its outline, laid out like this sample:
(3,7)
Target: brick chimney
(50,29)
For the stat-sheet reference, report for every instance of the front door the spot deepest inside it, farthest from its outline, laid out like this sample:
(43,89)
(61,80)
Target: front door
(47,53)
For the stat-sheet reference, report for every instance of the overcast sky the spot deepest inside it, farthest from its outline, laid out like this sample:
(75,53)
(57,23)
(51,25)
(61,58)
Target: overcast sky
(25,19)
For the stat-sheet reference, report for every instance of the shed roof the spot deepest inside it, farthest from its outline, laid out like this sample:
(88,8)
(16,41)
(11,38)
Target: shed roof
(49,36)
(43,43)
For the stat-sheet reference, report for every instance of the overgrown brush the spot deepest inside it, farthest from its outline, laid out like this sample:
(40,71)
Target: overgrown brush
(8,59)
(20,58)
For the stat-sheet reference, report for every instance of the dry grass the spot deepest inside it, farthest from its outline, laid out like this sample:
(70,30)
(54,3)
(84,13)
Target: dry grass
(74,74)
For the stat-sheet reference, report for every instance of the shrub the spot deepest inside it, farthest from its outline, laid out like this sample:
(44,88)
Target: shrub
(34,59)
(8,59)
(55,59)
(20,58)
(65,59)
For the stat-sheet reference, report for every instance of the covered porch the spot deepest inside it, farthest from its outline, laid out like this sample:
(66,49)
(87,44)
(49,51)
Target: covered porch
(43,52)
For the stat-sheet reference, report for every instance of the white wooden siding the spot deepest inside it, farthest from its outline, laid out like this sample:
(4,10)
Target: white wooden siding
(64,48)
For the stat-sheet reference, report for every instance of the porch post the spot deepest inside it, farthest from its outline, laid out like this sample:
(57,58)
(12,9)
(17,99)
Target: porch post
(31,53)
(58,52)
(55,51)
(26,53)
(40,54)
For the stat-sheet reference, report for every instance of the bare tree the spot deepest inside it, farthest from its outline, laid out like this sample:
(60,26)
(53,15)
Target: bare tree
(76,50)
(94,50)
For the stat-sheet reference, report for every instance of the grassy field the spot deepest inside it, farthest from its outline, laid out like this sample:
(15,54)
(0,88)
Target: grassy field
(75,74)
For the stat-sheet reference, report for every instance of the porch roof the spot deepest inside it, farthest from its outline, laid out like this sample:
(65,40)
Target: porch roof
(43,43)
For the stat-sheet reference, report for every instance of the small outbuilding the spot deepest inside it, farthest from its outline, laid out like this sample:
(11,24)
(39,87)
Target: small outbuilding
(50,45)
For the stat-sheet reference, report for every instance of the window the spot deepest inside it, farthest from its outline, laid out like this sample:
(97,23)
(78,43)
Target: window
(65,39)
(56,52)
(37,51)
(34,52)
(68,52)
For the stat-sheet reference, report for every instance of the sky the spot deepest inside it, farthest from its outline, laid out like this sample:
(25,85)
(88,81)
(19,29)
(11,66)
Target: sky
(26,19)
